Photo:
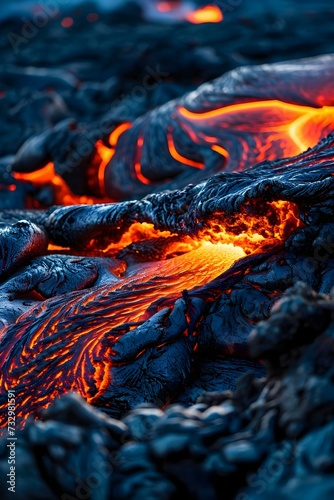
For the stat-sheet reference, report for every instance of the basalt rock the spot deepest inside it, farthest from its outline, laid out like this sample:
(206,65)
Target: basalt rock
(271,436)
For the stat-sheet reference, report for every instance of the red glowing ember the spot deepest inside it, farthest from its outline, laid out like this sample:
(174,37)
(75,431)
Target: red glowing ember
(67,22)
(166,6)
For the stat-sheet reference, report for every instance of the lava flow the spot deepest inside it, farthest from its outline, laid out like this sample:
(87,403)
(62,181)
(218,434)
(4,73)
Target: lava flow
(179,10)
(97,322)
(227,125)
(281,130)
(207,14)
(231,138)
(58,346)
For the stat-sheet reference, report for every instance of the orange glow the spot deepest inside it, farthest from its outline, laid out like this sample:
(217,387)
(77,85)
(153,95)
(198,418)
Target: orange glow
(62,193)
(137,166)
(174,154)
(278,129)
(56,248)
(243,230)
(144,231)
(243,134)
(67,22)
(250,232)
(106,153)
(39,177)
(219,149)
(66,344)
(273,105)
(75,348)
(208,14)
(116,134)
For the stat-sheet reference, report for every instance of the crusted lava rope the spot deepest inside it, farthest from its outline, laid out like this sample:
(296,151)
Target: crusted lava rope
(270,437)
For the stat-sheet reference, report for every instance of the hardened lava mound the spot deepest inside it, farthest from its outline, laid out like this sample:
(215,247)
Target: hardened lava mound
(247,116)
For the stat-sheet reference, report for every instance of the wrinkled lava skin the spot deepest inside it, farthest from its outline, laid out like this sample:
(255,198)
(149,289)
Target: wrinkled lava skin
(105,340)
(207,131)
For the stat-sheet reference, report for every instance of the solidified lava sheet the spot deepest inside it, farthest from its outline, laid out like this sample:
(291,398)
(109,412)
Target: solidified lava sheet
(166,261)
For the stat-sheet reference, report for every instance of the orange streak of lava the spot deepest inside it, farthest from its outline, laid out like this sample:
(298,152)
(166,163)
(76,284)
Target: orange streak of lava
(138,171)
(182,159)
(107,153)
(66,342)
(265,130)
(277,129)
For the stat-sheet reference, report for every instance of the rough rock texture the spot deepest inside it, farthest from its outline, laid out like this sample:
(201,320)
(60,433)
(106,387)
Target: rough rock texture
(271,437)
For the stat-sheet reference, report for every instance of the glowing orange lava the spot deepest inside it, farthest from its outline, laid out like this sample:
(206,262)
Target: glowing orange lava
(138,171)
(277,129)
(71,338)
(62,193)
(65,343)
(207,14)
(106,153)
(241,134)
(176,155)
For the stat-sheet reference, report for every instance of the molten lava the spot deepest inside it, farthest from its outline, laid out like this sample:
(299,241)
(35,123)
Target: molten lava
(67,342)
(241,134)
(58,347)
(207,14)
(62,193)
(274,129)
(71,349)
(47,177)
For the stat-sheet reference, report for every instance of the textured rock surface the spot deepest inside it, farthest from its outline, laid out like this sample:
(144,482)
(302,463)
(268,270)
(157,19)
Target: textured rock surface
(270,437)
(142,305)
